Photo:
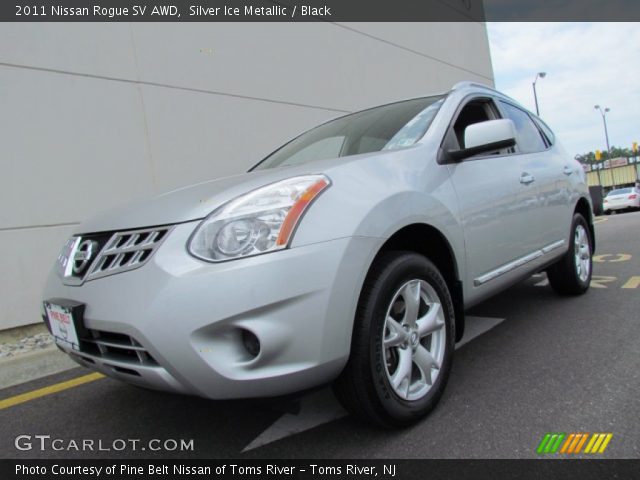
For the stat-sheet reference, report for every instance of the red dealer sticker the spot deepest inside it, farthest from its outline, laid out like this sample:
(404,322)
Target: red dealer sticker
(62,325)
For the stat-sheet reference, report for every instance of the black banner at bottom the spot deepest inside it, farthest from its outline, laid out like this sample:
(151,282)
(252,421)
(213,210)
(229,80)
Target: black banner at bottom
(312,469)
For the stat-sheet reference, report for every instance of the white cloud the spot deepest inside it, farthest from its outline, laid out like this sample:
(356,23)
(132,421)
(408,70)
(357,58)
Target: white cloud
(586,64)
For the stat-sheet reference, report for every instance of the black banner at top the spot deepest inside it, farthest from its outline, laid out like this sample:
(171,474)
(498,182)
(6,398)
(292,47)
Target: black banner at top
(318,10)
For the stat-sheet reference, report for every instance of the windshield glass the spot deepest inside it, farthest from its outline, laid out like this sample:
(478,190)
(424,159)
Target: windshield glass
(388,127)
(620,191)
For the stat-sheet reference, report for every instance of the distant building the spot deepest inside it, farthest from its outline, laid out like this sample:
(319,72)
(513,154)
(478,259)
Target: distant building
(617,172)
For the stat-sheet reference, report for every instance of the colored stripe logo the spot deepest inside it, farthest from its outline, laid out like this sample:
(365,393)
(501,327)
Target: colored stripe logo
(574,443)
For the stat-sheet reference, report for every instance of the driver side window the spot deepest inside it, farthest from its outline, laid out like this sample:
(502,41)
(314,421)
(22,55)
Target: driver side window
(475,111)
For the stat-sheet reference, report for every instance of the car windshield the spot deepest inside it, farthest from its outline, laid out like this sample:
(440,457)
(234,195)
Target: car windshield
(620,191)
(388,127)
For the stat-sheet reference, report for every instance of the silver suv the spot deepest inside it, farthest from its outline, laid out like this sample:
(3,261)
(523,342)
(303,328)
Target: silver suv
(349,256)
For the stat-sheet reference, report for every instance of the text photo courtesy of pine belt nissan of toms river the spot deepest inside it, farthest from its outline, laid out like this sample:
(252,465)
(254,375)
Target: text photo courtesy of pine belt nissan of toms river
(349,255)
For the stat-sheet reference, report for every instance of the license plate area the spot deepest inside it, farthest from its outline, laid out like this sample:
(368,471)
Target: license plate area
(65,321)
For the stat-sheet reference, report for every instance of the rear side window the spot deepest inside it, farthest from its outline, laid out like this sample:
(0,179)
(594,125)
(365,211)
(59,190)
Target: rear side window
(620,191)
(529,138)
(551,138)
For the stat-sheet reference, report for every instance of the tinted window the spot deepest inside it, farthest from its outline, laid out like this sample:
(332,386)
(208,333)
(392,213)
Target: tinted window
(620,191)
(551,138)
(528,136)
(388,127)
(473,112)
(321,150)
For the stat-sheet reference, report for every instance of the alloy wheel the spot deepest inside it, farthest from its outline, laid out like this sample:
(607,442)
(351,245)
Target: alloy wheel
(582,253)
(414,339)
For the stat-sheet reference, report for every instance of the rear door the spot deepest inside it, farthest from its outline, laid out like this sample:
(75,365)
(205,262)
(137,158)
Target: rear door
(549,172)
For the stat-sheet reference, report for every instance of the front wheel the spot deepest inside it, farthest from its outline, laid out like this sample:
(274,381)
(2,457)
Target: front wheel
(571,275)
(402,344)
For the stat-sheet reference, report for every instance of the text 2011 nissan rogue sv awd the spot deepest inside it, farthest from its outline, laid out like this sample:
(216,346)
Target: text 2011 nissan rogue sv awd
(348,255)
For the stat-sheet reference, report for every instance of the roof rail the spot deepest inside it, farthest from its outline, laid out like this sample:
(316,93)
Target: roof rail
(466,84)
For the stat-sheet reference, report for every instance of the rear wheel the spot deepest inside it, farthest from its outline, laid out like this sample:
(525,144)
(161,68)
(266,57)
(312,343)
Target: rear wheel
(402,343)
(571,275)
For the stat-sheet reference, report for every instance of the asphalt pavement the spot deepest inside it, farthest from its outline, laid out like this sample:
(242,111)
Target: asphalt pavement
(533,363)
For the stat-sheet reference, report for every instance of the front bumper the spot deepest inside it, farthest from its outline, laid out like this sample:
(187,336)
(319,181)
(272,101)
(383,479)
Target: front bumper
(184,318)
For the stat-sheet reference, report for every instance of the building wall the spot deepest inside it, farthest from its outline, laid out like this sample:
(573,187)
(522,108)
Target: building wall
(97,114)
(618,176)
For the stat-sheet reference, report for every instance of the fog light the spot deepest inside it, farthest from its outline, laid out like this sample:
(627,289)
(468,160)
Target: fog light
(251,343)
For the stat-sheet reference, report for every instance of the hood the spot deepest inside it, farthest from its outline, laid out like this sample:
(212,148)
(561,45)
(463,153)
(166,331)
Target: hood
(184,204)
(195,201)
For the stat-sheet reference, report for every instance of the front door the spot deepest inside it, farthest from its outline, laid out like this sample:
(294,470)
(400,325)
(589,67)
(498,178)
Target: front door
(497,199)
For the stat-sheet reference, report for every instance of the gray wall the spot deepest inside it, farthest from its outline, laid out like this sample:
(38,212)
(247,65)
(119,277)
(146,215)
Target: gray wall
(96,114)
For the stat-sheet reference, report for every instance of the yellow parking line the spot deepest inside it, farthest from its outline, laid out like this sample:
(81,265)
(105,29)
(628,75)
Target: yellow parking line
(55,388)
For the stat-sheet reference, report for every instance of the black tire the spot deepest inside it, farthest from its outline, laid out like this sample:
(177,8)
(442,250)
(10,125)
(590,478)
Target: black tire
(564,276)
(364,387)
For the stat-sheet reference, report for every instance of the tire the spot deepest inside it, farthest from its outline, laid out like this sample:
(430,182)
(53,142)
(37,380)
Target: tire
(381,349)
(571,275)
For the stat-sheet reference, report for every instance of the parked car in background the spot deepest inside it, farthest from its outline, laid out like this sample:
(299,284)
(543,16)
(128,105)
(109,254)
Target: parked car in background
(621,199)
(349,256)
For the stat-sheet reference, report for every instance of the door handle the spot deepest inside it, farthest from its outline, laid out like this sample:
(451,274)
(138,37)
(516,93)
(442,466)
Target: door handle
(567,170)
(526,178)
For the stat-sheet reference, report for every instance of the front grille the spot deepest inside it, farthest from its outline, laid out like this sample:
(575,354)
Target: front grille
(126,251)
(116,347)
(114,253)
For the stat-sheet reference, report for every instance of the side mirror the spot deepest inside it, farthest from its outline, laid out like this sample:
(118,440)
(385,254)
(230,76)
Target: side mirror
(485,137)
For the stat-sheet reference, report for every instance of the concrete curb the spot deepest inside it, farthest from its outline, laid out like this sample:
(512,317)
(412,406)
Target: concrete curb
(33,365)
(16,334)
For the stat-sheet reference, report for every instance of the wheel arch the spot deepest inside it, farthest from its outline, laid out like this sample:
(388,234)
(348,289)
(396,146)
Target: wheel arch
(427,240)
(583,207)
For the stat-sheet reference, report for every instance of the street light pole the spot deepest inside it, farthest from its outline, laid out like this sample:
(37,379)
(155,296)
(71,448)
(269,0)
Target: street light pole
(604,121)
(604,112)
(535,94)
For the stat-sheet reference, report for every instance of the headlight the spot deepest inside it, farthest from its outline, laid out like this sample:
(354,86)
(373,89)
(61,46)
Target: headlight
(258,222)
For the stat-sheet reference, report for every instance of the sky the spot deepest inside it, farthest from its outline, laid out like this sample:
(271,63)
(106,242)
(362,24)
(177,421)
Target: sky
(587,64)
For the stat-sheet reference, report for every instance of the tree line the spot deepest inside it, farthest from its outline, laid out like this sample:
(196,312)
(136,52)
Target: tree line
(616,152)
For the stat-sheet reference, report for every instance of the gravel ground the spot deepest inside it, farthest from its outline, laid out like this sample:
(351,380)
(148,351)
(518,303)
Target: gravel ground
(28,344)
